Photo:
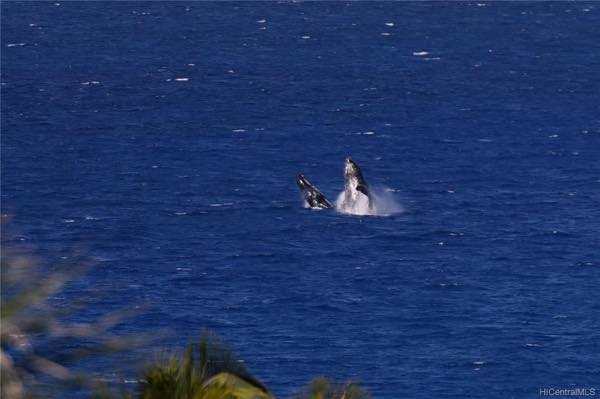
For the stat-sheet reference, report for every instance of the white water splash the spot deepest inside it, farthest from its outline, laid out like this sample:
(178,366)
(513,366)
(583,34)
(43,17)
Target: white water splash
(384,204)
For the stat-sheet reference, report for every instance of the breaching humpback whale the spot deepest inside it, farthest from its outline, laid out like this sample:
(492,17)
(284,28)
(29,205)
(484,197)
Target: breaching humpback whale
(312,196)
(355,185)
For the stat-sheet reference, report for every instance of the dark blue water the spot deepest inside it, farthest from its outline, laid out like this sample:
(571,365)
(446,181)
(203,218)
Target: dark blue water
(486,129)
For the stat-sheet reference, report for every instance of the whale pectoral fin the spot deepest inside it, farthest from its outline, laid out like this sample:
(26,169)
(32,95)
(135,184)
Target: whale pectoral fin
(364,190)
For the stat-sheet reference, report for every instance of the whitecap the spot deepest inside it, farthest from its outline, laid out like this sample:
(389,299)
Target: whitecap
(180,213)
(389,24)
(182,79)
(385,34)
(261,21)
(68,220)
(15,44)
(238,130)
(420,53)
(305,37)
(221,204)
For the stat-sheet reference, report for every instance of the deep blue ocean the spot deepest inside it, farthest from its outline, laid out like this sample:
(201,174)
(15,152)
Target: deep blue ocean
(165,138)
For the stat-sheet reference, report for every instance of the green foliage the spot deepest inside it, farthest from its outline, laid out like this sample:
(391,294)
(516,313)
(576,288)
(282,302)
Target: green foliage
(207,370)
(321,388)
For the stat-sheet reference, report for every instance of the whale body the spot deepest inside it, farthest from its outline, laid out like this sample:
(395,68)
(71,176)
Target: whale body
(355,186)
(312,196)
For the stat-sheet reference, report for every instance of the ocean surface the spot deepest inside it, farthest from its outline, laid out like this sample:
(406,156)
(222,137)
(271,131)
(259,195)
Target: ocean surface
(165,137)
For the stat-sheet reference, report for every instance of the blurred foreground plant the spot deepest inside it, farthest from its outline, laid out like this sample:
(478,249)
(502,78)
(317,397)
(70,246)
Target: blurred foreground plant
(31,328)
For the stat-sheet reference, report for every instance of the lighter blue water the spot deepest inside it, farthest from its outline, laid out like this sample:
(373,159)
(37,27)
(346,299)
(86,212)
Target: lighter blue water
(167,136)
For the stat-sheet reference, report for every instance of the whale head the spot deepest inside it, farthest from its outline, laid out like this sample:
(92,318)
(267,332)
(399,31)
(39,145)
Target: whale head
(302,182)
(352,172)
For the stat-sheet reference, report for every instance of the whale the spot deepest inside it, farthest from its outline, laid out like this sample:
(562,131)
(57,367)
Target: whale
(313,198)
(355,186)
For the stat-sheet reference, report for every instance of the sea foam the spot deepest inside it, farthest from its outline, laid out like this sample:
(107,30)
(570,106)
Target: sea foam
(384,204)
